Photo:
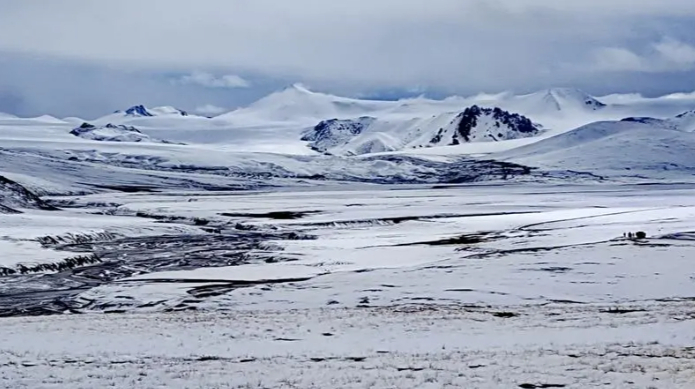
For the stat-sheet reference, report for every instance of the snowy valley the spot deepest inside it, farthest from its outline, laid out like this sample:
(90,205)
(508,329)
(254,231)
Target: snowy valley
(310,241)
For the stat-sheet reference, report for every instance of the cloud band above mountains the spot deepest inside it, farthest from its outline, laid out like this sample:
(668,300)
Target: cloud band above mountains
(440,46)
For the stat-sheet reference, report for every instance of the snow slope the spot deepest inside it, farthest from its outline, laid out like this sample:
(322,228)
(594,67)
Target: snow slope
(298,105)
(627,147)
(556,100)
(685,121)
(113,133)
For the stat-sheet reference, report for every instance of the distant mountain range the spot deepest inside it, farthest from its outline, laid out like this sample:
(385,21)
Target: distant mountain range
(557,128)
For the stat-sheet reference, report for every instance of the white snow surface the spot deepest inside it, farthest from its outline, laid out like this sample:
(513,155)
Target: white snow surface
(554,295)
(623,147)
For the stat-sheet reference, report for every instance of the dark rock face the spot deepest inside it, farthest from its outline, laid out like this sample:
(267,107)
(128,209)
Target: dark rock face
(138,110)
(468,120)
(645,120)
(141,110)
(87,128)
(593,103)
(327,128)
(685,114)
(333,132)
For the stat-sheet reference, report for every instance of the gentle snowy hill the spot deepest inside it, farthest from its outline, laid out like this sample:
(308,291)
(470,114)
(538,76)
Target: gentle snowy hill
(113,133)
(681,122)
(366,135)
(297,104)
(629,147)
(557,99)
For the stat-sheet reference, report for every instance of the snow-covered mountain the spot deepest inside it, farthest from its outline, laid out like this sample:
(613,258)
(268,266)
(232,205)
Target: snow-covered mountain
(366,134)
(164,116)
(682,122)
(288,121)
(630,146)
(556,100)
(113,133)
(142,111)
(297,104)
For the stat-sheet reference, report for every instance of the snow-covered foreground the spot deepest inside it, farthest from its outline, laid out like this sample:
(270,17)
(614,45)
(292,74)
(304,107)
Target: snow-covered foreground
(396,347)
(488,286)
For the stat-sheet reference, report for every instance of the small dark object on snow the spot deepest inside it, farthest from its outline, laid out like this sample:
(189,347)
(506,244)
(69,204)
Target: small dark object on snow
(641,235)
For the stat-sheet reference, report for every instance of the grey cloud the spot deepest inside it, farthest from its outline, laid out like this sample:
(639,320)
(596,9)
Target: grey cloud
(34,85)
(360,47)
(209,80)
(668,55)
(209,109)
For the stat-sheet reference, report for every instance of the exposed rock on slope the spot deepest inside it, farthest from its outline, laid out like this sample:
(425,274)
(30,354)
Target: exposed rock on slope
(681,122)
(367,135)
(142,111)
(486,124)
(14,195)
(113,133)
(334,132)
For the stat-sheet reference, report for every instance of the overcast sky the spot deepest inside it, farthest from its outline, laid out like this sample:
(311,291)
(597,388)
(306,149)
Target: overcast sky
(87,57)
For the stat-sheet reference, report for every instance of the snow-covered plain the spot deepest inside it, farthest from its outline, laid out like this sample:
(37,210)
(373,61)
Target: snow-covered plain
(541,289)
(243,259)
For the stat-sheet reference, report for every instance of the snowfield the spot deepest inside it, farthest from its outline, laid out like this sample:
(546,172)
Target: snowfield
(238,254)
(482,286)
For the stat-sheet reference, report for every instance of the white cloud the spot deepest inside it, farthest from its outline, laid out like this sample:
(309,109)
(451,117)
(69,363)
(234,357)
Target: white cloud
(209,109)
(211,81)
(667,55)
(679,55)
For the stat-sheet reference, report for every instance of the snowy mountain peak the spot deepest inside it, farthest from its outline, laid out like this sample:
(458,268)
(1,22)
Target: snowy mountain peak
(491,124)
(142,111)
(299,88)
(334,132)
(370,135)
(560,99)
(138,110)
(113,133)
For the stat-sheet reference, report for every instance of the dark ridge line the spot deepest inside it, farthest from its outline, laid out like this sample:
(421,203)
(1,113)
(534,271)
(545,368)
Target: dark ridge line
(228,282)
